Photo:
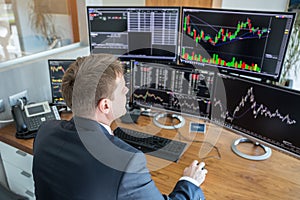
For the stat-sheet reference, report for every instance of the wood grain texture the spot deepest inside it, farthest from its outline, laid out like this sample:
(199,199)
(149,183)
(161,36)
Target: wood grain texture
(228,178)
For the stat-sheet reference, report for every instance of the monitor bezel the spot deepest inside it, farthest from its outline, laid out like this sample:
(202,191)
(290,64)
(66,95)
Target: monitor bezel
(245,134)
(172,60)
(49,71)
(158,109)
(243,73)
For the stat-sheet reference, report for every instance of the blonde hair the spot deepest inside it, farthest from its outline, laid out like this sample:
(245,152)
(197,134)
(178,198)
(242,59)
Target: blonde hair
(88,80)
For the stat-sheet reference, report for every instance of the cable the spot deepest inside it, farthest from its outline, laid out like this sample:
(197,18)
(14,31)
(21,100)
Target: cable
(183,138)
(22,101)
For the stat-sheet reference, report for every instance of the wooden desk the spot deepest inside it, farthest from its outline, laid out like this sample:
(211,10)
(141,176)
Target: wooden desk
(230,177)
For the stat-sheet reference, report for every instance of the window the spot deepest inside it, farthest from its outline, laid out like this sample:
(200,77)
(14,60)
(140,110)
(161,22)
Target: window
(31,26)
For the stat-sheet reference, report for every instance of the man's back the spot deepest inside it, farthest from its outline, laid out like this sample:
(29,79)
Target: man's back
(85,162)
(64,169)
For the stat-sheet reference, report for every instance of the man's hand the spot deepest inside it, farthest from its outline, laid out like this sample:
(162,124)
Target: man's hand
(196,171)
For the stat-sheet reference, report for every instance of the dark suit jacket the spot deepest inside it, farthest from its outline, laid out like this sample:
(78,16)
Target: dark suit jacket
(80,160)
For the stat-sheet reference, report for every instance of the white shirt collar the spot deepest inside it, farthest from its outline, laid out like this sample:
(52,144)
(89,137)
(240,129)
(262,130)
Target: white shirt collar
(107,128)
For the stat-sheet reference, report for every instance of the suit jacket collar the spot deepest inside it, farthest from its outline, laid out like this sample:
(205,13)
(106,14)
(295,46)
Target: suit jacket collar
(85,124)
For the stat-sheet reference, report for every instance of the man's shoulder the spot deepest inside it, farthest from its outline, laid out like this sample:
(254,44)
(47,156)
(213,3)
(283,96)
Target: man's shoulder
(56,128)
(55,124)
(123,145)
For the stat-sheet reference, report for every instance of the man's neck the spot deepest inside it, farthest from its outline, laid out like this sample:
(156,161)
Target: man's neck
(102,119)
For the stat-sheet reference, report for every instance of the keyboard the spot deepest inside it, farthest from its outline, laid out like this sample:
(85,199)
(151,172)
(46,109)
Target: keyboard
(150,144)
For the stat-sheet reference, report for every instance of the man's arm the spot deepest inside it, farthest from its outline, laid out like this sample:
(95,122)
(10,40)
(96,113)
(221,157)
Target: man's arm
(137,184)
(186,190)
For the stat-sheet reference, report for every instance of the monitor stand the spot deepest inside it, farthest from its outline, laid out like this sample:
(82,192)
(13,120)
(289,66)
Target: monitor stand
(267,150)
(131,116)
(180,119)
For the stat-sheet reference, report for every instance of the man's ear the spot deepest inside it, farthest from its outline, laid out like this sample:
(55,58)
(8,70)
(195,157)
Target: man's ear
(104,106)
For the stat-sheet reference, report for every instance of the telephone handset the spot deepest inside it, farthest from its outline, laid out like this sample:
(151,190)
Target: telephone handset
(29,117)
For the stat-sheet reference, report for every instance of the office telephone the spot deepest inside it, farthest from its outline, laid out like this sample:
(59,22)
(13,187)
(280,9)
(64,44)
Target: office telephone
(29,117)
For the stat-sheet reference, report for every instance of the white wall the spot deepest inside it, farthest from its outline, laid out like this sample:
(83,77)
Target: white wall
(32,75)
(271,5)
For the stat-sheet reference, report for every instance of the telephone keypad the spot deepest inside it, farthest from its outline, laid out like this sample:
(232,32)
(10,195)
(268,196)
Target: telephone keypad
(34,122)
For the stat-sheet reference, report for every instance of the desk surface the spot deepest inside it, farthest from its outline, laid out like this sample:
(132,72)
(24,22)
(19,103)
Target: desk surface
(230,177)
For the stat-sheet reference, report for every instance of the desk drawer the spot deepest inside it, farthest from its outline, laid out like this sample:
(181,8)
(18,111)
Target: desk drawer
(16,176)
(16,157)
(18,189)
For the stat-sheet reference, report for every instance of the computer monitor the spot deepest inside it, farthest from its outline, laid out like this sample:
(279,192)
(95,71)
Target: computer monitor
(250,43)
(57,69)
(263,113)
(172,88)
(139,33)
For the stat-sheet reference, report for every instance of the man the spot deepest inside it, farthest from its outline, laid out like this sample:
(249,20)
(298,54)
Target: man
(80,159)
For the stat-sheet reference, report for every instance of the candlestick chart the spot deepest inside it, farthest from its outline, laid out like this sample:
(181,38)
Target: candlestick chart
(239,45)
(249,43)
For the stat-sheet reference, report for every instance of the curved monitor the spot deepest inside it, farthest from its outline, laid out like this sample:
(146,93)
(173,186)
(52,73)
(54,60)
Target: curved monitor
(251,43)
(265,113)
(139,33)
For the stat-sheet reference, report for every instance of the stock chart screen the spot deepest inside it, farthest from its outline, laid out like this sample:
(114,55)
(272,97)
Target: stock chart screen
(57,69)
(172,88)
(266,113)
(135,32)
(242,42)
